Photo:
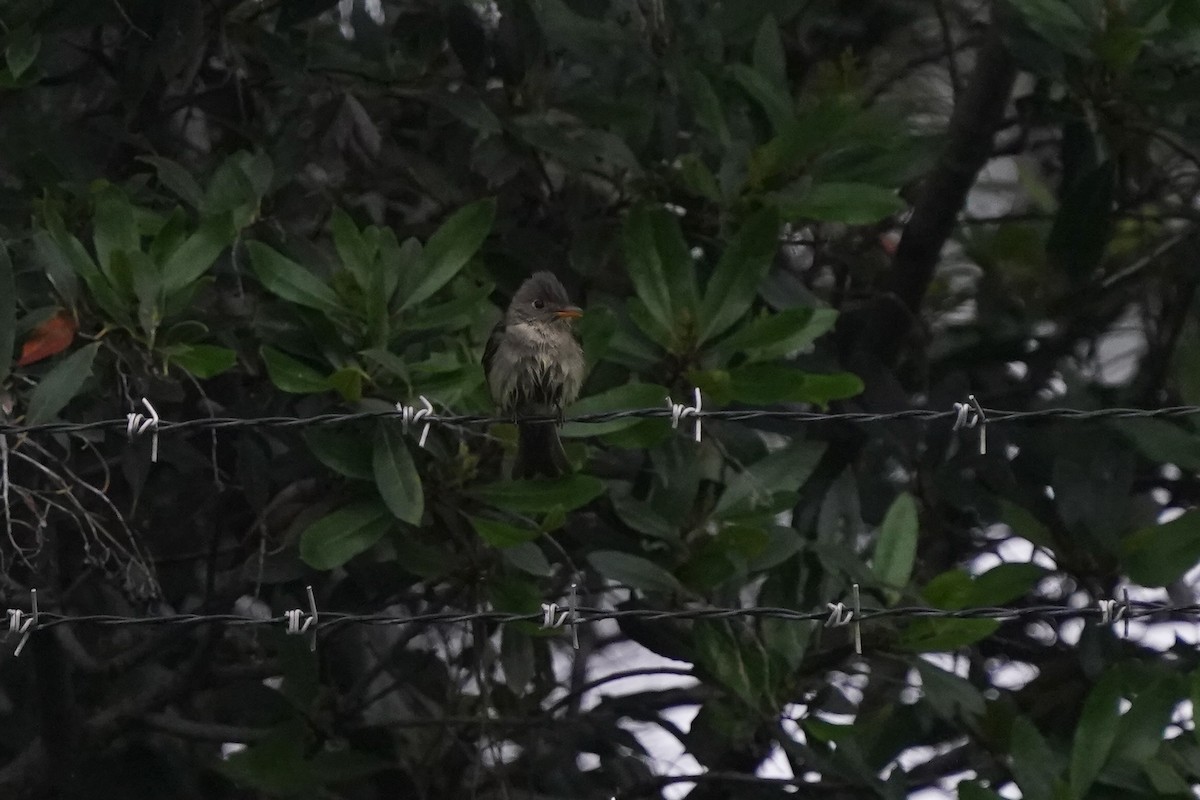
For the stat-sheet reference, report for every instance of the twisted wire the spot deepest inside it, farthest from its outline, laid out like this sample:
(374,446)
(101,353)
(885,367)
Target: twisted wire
(993,415)
(1158,611)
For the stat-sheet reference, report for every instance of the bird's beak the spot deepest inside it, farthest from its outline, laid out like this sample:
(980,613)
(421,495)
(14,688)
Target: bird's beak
(569,312)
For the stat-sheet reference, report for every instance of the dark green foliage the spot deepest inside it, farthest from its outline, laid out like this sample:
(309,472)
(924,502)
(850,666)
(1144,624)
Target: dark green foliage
(247,209)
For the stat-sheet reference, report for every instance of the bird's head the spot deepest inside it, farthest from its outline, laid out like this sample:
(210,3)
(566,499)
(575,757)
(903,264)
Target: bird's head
(543,299)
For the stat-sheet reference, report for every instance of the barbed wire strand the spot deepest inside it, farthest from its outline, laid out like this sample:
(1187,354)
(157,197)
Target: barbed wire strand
(729,415)
(1133,610)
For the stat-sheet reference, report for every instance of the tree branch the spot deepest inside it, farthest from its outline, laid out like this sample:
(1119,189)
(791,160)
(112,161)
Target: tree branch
(977,116)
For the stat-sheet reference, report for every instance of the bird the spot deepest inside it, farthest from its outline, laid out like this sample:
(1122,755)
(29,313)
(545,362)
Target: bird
(534,366)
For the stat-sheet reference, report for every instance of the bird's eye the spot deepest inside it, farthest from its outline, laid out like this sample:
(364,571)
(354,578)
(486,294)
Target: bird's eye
(538,304)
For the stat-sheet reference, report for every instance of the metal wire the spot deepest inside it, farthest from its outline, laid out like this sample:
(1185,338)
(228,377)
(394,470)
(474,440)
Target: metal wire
(590,615)
(734,415)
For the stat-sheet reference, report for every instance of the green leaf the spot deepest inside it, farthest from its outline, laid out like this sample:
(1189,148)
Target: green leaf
(1001,584)
(648,323)
(1057,23)
(774,100)
(114,228)
(1004,583)
(1034,763)
(782,543)
(514,595)
(344,453)
(698,178)
(60,385)
(950,589)
(61,275)
(950,696)
(1161,441)
(177,179)
(62,246)
(290,374)
(168,237)
(21,51)
(631,395)
(848,203)
(1119,45)
(1140,733)
(356,254)
(642,517)
(896,550)
(202,360)
(528,557)
(396,476)
(237,187)
(569,492)
(274,765)
(769,58)
(338,537)
(776,383)
(1095,733)
(721,557)
(822,389)
(450,248)
(679,271)
(945,635)
(738,274)
(348,382)
(1165,779)
(802,140)
(119,269)
(391,364)
(716,385)
(706,106)
(289,280)
(1160,554)
(778,335)
(197,253)
(634,571)
(785,470)
(719,653)
(8,313)
(1025,524)
(502,534)
(645,266)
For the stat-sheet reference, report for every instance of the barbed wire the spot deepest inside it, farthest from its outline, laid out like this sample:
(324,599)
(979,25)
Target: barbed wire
(993,415)
(583,615)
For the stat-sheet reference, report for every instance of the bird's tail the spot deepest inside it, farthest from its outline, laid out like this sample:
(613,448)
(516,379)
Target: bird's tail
(539,451)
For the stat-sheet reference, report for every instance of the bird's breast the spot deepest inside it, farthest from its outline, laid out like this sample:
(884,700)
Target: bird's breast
(537,369)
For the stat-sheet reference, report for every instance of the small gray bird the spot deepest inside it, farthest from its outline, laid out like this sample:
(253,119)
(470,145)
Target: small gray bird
(534,366)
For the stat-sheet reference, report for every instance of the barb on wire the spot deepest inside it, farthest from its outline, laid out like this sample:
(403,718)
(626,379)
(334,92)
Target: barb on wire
(22,623)
(298,622)
(969,415)
(137,424)
(681,411)
(1113,611)
(839,615)
(729,415)
(552,617)
(410,415)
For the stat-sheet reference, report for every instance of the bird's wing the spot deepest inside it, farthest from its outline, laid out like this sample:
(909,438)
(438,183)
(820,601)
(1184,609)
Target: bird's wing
(493,344)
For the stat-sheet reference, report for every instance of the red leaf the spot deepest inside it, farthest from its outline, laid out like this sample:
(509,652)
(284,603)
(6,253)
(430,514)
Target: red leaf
(52,336)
